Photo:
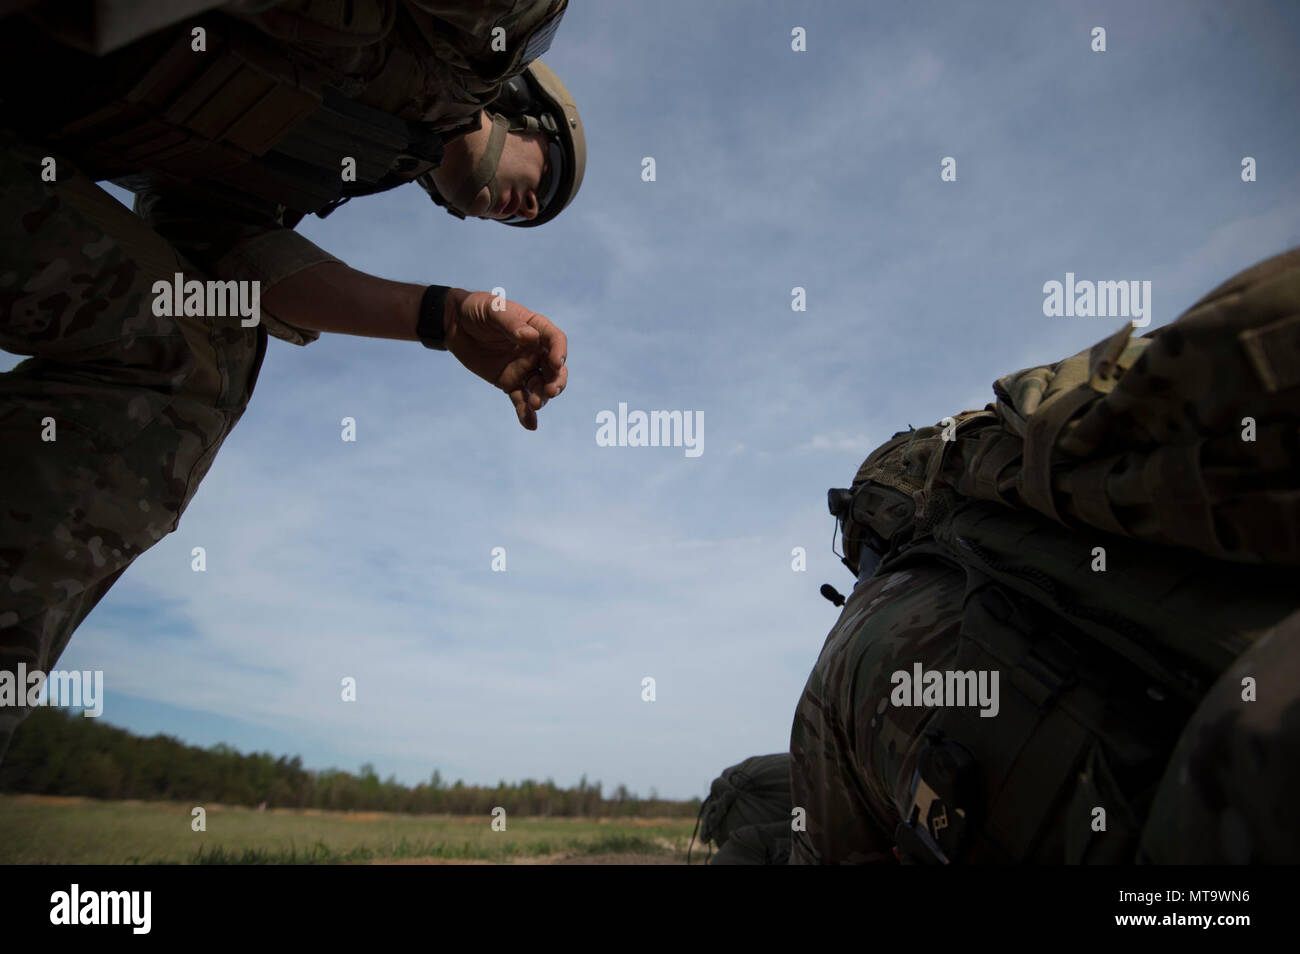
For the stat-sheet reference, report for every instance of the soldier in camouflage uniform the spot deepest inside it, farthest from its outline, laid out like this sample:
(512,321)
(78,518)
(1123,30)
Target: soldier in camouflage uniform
(115,416)
(1148,712)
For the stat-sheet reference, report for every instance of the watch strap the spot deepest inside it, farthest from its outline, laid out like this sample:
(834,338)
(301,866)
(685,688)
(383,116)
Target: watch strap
(431,327)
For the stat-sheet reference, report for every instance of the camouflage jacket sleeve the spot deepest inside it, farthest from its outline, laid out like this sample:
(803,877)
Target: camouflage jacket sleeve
(232,244)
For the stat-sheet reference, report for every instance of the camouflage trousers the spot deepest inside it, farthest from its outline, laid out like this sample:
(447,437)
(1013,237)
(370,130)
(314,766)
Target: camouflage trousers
(114,418)
(1212,782)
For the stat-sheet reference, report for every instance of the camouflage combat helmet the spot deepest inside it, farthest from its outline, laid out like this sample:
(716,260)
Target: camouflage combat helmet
(534,101)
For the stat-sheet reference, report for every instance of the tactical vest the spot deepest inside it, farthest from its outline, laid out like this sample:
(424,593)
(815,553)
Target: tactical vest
(248,117)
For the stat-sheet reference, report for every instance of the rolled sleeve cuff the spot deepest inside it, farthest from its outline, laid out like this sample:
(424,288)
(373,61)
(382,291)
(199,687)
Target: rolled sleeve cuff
(270,258)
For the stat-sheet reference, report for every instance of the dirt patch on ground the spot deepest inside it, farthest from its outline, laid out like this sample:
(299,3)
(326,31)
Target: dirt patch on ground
(49,799)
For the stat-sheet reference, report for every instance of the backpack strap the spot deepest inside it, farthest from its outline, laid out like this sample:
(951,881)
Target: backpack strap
(1045,425)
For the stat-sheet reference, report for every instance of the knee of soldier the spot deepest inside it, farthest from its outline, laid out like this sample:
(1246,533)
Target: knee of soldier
(1229,792)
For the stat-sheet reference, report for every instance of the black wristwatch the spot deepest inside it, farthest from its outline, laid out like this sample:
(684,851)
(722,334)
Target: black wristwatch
(431,329)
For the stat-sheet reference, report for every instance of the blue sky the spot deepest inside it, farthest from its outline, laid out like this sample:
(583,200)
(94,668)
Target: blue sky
(774,169)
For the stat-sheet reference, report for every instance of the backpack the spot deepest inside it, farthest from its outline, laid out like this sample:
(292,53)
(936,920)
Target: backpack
(766,844)
(1128,521)
(747,812)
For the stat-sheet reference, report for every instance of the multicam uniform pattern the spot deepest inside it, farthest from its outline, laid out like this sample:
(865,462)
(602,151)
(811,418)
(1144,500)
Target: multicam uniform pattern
(140,404)
(1229,794)
(847,747)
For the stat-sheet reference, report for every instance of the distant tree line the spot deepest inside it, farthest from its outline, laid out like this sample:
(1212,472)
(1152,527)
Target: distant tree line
(59,753)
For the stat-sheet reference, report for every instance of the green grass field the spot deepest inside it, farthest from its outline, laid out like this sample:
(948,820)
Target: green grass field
(47,830)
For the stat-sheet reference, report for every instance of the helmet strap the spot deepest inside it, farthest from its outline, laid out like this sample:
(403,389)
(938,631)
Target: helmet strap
(485,170)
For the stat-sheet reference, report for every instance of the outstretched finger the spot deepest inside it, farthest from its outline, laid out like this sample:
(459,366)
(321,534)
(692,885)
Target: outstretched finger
(527,416)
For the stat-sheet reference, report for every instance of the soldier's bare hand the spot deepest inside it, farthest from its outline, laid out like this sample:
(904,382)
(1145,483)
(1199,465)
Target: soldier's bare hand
(509,346)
